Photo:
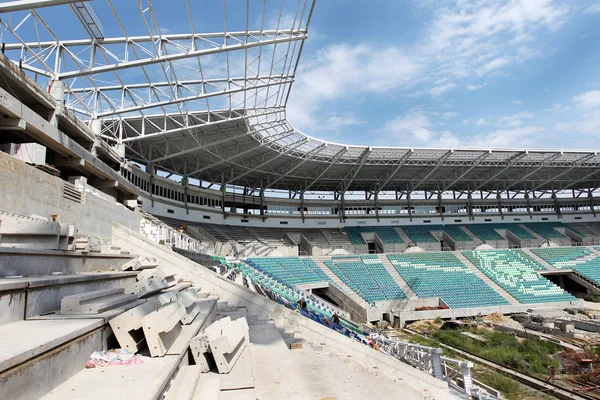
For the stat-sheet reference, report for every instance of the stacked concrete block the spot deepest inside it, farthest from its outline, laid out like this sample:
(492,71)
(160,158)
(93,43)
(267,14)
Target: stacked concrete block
(150,282)
(128,327)
(95,302)
(140,263)
(223,341)
(162,326)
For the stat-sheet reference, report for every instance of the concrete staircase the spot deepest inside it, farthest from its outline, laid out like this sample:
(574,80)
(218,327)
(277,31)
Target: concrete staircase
(540,260)
(526,229)
(351,293)
(397,277)
(487,280)
(403,235)
(470,234)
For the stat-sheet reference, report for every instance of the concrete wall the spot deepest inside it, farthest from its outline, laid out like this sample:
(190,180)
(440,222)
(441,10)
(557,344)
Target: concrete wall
(261,308)
(27,190)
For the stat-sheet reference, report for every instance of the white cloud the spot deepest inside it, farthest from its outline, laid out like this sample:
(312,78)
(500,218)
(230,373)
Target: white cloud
(557,107)
(335,123)
(593,9)
(343,70)
(413,126)
(440,90)
(516,119)
(495,64)
(514,138)
(447,115)
(517,101)
(476,87)
(463,38)
(588,100)
(481,121)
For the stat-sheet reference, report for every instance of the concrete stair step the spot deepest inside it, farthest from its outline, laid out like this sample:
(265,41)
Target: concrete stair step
(208,387)
(397,277)
(44,352)
(184,385)
(345,288)
(540,260)
(145,381)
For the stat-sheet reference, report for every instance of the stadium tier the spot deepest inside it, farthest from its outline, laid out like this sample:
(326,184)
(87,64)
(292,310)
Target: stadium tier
(368,277)
(485,232)
(444,275)
(547,229)
(580,259)
(419,233)
(387,234)
(290,271)
(517,273)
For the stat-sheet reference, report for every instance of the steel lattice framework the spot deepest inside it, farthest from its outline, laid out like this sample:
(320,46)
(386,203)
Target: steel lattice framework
(210,103)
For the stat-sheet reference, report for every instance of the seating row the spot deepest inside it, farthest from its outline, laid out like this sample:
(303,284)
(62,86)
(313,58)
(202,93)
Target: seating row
(444,275)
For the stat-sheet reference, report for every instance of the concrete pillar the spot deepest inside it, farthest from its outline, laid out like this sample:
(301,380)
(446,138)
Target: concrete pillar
(96,126)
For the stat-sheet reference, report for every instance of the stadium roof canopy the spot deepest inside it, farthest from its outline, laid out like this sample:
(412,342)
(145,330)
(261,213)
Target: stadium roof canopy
(209,102)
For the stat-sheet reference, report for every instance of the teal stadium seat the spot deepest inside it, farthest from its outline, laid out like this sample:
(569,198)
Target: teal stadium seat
(517,275)
(387,234)
(580,259)
(546,229)
(420,233)
(368,277)
(444,275)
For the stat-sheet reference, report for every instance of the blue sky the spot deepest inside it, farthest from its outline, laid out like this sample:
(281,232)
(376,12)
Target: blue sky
(452,74)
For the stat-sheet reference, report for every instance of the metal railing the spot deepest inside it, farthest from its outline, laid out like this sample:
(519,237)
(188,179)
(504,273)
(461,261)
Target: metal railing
(429,359)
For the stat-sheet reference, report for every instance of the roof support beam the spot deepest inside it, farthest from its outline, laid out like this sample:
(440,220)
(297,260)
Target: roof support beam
(23,5)
(476,163)
(542,165)
(349,178)
(308,157)
(394,170)
(210,144)
(577,164)
(327,167)
(438,164)
(238,155)
(510,162)
(283,152)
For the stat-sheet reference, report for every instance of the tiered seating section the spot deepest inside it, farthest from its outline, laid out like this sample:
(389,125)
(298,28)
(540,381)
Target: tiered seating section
(444,275)
(516,273)
(485,232)
(387,234)
(290,271)
(580,259)
(367,276)
(546,229)
(419,233)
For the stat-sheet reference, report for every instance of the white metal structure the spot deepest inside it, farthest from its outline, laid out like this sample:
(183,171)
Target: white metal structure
(199,90)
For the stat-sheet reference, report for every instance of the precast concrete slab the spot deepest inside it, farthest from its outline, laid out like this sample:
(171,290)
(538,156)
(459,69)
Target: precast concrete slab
(105,316)
(208,387)
(95,302)
(205,317)
(240,376)
(184,385)
(140,263)
(127,327)
(24,340)
(146,287)
(145,381)
(161,327)
(228,345)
